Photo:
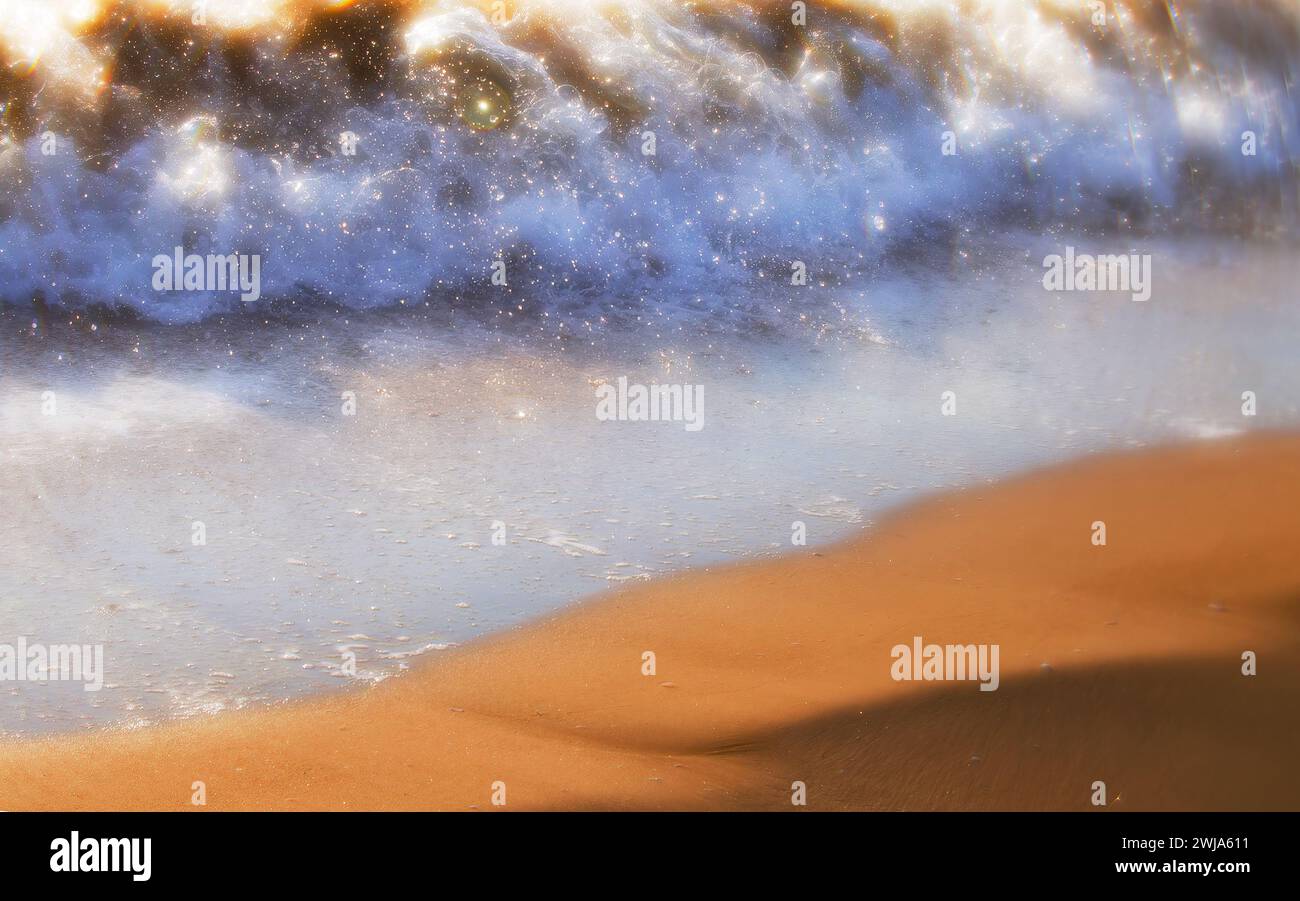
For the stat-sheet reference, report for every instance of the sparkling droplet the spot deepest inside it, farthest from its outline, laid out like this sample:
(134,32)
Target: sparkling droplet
(484,105)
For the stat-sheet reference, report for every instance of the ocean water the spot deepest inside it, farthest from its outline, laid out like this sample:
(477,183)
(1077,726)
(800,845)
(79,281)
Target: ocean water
(387,454)
(372,533)
(525,142)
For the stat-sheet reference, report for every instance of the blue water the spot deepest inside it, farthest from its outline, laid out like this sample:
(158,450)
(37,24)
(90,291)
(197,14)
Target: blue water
(773,143)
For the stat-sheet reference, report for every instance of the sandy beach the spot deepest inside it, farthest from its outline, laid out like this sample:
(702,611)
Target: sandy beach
(1120,663)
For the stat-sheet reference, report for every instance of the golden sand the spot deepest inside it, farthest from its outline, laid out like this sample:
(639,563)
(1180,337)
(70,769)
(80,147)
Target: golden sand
(1120,664)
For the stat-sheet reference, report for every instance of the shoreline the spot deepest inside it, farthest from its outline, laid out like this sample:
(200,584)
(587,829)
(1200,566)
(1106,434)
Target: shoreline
(1118,663)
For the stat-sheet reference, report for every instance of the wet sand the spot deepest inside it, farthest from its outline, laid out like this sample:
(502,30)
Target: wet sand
(1119,664)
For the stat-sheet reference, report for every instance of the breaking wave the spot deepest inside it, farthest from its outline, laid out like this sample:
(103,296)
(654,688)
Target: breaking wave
(656,152)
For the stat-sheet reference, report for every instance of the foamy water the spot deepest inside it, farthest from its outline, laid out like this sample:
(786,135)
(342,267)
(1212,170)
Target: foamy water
(372,534)
(523,140)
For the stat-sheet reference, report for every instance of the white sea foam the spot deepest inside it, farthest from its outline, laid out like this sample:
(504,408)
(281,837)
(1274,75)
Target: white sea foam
(772,144)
